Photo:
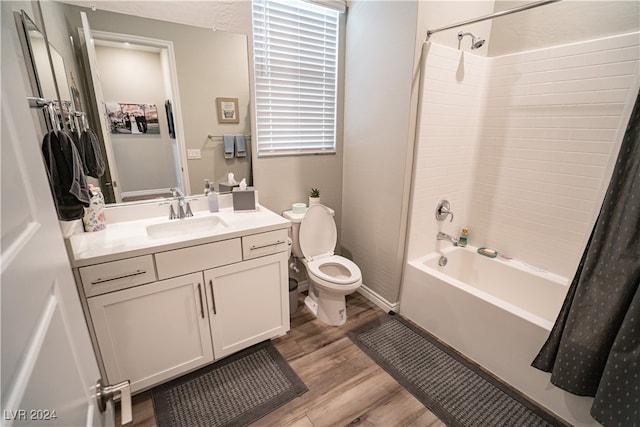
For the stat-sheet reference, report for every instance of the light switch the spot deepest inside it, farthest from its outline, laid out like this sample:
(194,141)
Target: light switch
(193,153)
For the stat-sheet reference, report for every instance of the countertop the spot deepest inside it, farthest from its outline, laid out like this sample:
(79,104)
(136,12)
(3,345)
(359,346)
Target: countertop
(129,238)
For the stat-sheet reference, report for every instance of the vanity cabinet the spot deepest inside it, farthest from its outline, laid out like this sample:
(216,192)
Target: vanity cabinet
(153,332)
(160,315)
(247,303)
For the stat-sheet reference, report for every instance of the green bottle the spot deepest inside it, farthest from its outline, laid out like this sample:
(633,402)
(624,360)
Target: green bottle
(464,236)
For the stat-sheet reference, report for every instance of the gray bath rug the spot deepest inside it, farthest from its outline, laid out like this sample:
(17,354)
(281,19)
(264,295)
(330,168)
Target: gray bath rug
(232,392)
(455,389)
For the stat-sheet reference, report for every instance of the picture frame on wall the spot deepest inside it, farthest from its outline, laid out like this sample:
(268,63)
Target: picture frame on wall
(228,110)
(132,119)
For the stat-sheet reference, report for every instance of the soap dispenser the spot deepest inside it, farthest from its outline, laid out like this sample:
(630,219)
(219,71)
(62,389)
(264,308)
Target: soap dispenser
(212,196)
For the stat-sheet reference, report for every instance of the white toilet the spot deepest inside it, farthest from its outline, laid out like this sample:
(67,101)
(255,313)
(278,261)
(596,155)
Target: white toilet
(331,277)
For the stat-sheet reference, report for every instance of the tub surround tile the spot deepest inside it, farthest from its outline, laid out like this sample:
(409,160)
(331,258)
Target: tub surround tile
(522,146)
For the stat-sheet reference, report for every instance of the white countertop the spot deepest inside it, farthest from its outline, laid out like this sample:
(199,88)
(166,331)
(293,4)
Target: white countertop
(129,238)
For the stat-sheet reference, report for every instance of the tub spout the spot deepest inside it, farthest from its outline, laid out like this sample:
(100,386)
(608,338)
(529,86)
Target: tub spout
(445,236)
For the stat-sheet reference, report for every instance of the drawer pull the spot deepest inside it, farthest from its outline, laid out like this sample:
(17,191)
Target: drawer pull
(122,276)
(254,247)
(213,298)
(201,304)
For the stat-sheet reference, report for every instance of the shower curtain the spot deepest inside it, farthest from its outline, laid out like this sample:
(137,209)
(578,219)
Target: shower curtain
(594,346)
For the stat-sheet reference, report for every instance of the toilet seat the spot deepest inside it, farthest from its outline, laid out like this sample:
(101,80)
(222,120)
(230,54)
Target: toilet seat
(319,268)
(318,237)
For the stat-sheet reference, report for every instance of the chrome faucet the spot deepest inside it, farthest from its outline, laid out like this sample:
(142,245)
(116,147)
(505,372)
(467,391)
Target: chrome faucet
(182,205)
(445,236)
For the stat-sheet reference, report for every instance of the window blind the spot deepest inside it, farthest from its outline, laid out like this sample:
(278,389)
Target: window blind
(296,66)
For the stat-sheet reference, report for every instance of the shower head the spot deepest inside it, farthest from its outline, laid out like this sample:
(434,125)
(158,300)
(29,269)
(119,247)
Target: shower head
(476,42)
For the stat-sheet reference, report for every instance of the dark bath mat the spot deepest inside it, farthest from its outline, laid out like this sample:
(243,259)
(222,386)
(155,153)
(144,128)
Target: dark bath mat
(457,390)
(236,391)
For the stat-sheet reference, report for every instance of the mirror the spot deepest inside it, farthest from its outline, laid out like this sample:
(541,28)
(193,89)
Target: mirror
(208,65)
(60,74)
(37,48)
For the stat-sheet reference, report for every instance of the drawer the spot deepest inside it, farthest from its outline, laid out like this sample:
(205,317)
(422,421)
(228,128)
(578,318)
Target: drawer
(257,245)
(112,276)
(197,258)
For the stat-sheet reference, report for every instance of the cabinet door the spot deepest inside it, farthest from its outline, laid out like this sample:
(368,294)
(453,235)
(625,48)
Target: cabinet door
(153,332)
(248,302)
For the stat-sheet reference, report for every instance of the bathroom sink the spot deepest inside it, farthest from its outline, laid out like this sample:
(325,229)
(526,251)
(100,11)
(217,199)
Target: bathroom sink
(180,227)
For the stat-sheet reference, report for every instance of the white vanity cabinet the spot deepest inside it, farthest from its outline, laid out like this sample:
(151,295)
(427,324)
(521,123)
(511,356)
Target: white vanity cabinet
(248,302)
(158,315)
(153,332)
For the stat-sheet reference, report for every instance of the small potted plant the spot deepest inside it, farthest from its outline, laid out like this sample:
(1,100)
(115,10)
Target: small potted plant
(314,197)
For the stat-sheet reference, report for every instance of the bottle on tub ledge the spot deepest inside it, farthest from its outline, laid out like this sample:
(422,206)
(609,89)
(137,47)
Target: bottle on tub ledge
(464,237)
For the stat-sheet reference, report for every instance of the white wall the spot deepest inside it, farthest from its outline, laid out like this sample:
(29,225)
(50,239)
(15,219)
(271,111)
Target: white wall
(377,134)
(435,14)
(567,21)
(529,179)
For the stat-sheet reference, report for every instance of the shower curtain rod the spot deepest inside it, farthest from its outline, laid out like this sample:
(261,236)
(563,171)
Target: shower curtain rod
(491,16)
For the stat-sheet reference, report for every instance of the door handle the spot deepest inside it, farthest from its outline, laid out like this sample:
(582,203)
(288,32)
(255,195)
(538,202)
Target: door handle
(105,393)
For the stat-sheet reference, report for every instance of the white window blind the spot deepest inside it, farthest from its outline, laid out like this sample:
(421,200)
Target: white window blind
(296,67)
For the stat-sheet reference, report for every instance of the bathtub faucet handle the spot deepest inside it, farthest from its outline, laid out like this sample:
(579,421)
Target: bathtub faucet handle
(442,210)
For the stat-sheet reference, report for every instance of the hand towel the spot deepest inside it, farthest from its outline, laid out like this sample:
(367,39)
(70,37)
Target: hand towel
(241,146)
(66,176)
(94,165)
(228,146)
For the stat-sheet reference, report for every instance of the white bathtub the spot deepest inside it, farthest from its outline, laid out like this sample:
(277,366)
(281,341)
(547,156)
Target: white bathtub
(498,313)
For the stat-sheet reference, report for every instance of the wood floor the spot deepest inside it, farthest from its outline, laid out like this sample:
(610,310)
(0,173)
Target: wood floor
(345,386)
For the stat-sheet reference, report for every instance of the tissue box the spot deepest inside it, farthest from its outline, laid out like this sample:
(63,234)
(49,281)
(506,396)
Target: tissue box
(244,200)
(226,188)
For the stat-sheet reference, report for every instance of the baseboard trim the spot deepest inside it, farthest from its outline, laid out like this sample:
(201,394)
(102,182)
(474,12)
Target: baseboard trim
(378,300)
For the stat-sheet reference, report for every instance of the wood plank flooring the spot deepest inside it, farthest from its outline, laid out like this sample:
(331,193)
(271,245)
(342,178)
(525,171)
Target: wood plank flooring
(345,386)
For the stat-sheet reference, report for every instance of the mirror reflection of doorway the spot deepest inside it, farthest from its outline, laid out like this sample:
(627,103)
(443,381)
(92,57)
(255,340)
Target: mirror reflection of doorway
(134,75)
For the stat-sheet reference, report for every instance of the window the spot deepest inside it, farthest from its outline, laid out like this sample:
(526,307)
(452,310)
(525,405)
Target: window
(296,65)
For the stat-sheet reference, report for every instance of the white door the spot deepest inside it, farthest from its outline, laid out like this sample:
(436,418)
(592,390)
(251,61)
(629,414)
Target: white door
(49,369)
(89,50)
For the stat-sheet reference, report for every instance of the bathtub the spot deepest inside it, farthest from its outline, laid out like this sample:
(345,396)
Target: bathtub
(498,313)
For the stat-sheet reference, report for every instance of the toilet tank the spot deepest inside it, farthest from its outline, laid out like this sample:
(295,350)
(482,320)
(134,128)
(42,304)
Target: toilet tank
(296,219)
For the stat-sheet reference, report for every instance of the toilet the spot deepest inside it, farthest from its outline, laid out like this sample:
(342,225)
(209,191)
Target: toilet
(331,277)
